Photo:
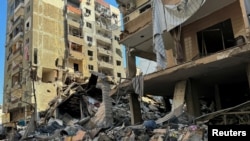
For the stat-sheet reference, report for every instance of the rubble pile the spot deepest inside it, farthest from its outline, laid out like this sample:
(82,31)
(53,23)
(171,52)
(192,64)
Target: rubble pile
(86,112)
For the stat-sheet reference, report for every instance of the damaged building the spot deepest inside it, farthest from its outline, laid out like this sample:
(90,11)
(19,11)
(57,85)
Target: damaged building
(201,48)
(52,43)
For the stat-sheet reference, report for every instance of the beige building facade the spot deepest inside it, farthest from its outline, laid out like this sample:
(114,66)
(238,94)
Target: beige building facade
(50,43)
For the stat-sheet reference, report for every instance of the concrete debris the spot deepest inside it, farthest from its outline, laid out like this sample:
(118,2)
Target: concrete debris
(90,114)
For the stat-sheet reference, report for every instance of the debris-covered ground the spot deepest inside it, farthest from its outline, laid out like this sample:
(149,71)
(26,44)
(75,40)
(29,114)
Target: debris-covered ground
(86,112)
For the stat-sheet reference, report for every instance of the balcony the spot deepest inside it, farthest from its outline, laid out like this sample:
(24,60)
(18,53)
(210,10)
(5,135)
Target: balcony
(17,55)
(104,51)
(18,21)
(103,37)
(134,21)
(74,10)
(73,23)
(76,39)
(76,55)
(103,64)
(101,26)
(19,8)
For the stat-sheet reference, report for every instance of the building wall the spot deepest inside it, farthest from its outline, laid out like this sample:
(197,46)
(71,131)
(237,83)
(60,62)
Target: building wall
(48,39)
(189,33)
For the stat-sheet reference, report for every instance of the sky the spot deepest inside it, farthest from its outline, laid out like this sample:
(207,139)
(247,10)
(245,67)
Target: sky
(3,10)
(144,65)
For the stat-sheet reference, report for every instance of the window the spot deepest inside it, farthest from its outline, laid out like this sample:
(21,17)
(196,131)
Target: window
(90,39)
(118,63)
(114,15)
(119,75)
(35,56)
(76,67)
(91,67)
(89,25)
(88,11)
(117,38)
(90,53)
(216,38)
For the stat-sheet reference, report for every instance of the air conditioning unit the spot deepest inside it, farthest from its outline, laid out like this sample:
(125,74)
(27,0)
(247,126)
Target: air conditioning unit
(91,58)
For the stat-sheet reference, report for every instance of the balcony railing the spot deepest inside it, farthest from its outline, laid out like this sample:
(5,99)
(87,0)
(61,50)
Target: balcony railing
(104,51)
(76,54)
(18,35)
(105,64)
(103,37)
(19,8)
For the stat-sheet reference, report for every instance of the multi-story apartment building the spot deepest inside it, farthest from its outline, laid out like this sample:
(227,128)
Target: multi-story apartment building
(52,42)
(202,50)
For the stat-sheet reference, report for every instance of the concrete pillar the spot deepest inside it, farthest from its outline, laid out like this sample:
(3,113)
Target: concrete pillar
(134,104)
(135,109)
(192,98)
(131,64)
(179,94)
(217,97)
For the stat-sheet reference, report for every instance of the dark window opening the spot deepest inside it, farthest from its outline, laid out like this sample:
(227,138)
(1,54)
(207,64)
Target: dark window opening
(118,63)
(216,38)
(91,67)
(88,11)
(119,75)
(90,53)
(76,67)
(35,56)
(90,39)
(89,25)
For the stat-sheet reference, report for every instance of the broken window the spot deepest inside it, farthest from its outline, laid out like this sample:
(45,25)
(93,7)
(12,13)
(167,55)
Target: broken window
(76,47)
(215,38)
(48,75)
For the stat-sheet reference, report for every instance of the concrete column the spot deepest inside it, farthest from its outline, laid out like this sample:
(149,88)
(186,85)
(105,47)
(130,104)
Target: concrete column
(131,64)
(179,94)
(192,99)
(217,97)
(135,109)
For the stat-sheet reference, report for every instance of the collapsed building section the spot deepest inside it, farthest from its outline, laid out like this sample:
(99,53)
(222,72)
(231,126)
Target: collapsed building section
(201,52)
